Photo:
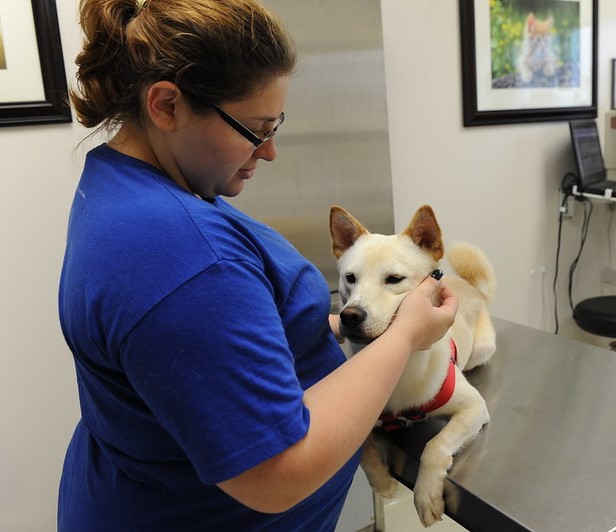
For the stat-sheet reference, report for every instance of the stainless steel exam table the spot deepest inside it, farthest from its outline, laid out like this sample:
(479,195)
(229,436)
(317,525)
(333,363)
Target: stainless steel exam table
(547,459)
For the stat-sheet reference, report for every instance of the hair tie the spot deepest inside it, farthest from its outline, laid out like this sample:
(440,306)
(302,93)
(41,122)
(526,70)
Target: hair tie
(139,5)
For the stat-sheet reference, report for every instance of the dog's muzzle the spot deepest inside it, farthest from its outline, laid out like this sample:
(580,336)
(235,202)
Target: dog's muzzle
(352,319)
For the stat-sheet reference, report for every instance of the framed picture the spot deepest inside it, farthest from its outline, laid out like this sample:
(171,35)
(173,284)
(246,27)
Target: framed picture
(528,60)
(32,79)
(613,83)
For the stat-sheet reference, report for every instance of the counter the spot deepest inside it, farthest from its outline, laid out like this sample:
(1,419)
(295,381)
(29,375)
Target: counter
(547,459)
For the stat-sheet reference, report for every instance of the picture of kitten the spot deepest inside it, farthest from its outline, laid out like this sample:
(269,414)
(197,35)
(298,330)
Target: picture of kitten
(536,44)
(537,57)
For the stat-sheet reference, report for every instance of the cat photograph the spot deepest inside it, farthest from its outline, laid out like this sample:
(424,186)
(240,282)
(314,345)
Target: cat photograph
(537,56)
(534,43)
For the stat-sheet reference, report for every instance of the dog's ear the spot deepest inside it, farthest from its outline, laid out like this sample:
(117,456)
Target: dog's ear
(344,229)
(425,232)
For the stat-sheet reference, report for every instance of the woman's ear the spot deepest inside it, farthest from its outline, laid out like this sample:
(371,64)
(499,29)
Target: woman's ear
(162,100)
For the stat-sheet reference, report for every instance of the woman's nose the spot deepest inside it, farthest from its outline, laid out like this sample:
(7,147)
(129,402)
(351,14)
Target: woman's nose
(267,151)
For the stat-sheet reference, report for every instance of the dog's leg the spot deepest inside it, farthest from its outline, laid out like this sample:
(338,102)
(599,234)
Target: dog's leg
(484,343)
(437,456)
(377,471)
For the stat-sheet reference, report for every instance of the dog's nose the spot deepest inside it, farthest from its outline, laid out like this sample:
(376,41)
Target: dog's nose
(352,316)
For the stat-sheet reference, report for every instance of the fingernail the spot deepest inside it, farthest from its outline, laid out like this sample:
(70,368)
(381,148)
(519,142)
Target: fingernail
(437,274)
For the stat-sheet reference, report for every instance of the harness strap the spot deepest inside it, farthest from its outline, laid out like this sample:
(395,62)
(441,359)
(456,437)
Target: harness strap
(390,422)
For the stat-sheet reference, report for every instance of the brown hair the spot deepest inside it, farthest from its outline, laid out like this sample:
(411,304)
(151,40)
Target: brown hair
(213,50)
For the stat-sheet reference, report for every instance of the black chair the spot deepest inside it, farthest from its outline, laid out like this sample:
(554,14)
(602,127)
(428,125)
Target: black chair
(597,315)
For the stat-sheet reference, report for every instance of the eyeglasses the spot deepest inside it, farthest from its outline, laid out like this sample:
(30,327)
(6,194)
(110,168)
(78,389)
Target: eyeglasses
(256,138)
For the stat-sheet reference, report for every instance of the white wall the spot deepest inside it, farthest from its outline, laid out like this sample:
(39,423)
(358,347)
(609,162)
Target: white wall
(38,396)
(495,186)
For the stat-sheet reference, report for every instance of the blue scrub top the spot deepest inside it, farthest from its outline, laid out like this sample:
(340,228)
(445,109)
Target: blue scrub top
(195,330)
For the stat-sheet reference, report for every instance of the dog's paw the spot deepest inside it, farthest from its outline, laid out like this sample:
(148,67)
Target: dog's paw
(377,471)
(387,490)
(385,486)
(428,495)
(429,502)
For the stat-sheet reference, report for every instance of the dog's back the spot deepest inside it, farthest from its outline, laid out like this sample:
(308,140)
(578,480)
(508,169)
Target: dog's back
(474,285)
(470,263)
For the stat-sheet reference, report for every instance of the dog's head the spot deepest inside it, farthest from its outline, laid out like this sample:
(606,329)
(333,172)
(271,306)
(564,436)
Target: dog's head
(376,271)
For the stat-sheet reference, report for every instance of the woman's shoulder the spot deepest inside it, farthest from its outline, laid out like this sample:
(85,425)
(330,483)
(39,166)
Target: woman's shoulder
(139,207)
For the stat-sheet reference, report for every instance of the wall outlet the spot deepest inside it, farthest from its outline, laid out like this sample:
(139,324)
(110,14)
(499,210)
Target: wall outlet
(608,276)
(567,209)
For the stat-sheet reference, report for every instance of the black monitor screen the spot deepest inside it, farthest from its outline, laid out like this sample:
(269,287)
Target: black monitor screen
(587,147)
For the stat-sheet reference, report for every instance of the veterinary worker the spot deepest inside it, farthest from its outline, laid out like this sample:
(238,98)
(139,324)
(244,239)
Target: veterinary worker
(214,395)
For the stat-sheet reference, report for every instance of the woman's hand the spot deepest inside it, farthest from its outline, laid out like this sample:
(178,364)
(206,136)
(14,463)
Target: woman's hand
(426,313)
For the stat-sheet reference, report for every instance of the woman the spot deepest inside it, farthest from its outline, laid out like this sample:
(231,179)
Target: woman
(214,395)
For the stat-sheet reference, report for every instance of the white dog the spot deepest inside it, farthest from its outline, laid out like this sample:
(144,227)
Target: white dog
(376,271)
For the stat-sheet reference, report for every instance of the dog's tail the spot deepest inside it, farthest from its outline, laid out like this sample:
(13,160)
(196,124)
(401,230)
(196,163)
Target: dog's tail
(470,263)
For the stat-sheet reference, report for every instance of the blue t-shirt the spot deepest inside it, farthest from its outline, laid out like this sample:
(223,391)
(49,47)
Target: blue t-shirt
(194,330)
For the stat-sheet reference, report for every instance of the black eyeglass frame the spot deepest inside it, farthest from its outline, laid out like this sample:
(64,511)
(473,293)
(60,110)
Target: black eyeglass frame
(243,130)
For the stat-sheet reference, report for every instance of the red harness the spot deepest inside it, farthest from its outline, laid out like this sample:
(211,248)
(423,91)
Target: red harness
(390,422)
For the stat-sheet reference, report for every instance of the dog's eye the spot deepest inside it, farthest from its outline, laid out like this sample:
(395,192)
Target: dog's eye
(393,279)
(350,278)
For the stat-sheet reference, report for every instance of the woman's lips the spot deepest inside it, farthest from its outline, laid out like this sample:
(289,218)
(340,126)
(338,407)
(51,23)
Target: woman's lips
(246,173)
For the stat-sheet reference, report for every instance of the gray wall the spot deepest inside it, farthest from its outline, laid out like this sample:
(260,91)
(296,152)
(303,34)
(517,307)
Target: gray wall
(334,146)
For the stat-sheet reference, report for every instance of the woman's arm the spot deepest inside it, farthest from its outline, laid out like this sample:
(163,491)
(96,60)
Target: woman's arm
(356,392)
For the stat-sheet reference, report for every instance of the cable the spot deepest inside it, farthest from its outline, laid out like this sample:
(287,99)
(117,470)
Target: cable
(560,229)
(567,183)
(588,207)
(566,186)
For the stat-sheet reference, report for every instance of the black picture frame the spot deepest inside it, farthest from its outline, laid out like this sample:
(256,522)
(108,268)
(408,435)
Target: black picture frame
(475,94)
(54,108)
